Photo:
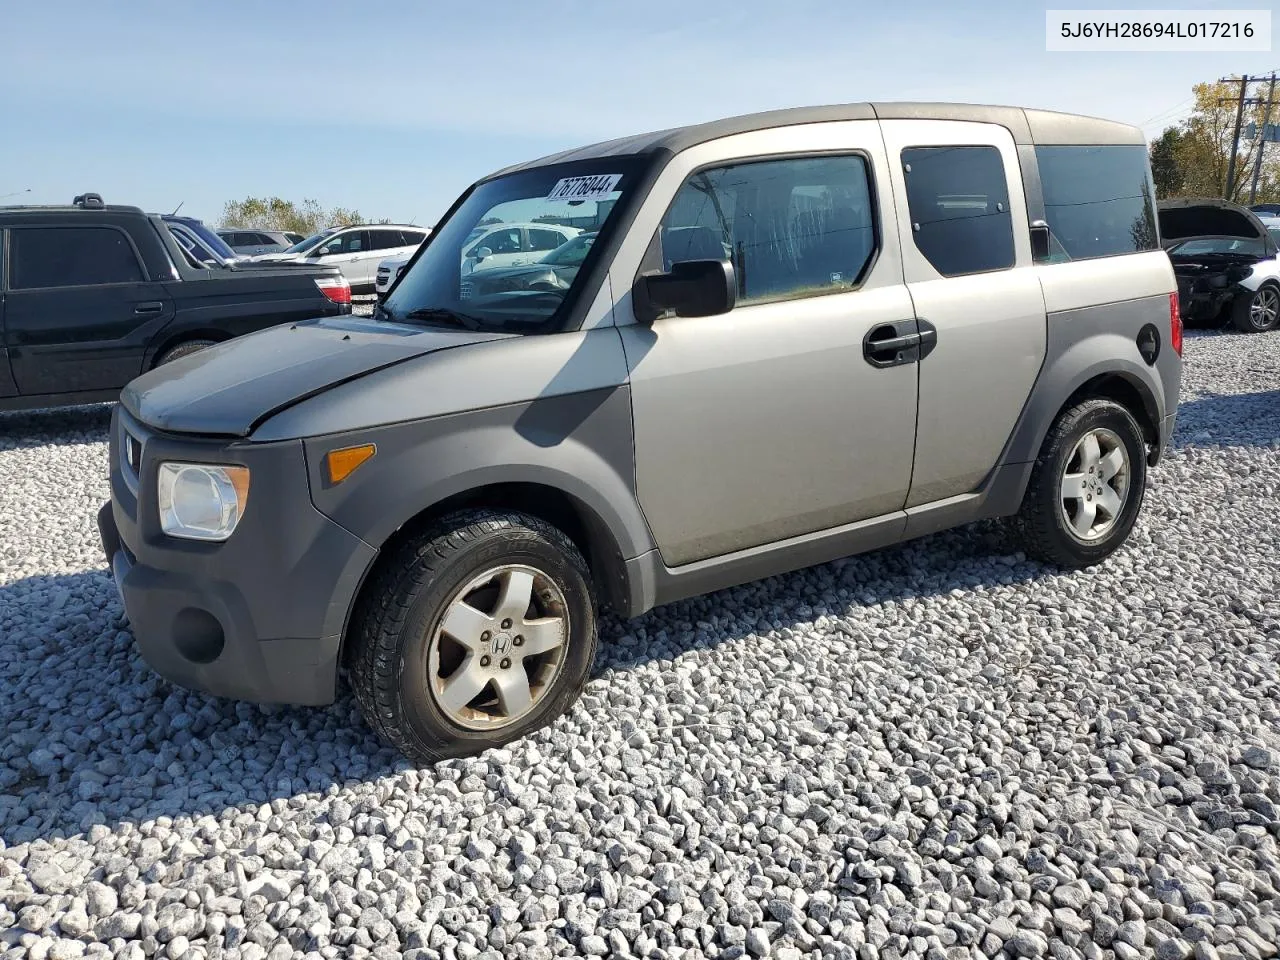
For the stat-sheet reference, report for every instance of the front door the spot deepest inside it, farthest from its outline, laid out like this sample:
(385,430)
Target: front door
(966,255)
(349,252)
(781,417)
(79,310)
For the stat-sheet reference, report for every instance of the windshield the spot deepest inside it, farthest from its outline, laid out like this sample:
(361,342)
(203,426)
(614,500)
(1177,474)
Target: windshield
(1205,245)
(571,253)
(302,246)
(524,217)
(210,239)
(198,255)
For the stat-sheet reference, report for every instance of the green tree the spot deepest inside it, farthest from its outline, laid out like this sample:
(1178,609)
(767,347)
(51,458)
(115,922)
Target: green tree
(273,213)
(1166,170)
(1194,162)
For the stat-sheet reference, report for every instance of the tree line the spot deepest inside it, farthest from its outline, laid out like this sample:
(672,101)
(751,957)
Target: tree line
(273,213)
(1190,159)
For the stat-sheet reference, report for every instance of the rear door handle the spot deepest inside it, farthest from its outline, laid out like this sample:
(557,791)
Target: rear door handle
(150,307)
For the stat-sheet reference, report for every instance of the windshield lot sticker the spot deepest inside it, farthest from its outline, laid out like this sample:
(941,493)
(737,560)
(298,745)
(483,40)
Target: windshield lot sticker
(585,188)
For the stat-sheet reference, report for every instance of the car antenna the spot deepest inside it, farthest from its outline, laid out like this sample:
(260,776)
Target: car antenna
(176,209)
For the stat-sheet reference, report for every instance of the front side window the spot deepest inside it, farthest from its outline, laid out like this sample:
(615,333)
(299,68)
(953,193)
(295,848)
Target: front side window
(439,287)
(958,199)
(352,242)
(71,257)
(792,228)
(500,241)
(1098,201)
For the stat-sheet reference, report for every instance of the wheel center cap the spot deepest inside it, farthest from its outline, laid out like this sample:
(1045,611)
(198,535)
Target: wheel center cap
(500,644)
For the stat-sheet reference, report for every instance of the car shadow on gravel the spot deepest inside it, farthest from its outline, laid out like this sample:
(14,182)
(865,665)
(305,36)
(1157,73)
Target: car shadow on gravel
(93,736)
(1229,419)
(39,428)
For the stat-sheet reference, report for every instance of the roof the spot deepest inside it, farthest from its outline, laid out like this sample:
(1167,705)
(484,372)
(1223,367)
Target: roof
(68,208)
(1028,126)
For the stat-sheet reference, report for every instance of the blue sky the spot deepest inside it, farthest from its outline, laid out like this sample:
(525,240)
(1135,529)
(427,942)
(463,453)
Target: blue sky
(394,107)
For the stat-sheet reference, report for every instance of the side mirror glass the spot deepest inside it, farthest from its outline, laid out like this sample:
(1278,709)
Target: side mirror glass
(1039,240)
(480,253)
(692,288)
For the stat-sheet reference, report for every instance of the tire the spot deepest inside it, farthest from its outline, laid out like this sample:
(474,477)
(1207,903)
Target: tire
(1258,312)
(403,658)
(1050,525)
(182,350)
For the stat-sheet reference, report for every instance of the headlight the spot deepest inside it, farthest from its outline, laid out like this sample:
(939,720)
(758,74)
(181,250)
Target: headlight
(199,501)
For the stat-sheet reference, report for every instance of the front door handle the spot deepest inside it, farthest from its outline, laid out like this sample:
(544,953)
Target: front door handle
(892,344)
(148,308)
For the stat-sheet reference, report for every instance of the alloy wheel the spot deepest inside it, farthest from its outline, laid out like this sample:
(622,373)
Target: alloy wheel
(1095,484)
(496,650)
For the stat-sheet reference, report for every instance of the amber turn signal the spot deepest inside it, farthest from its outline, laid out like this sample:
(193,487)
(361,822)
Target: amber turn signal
(343,462)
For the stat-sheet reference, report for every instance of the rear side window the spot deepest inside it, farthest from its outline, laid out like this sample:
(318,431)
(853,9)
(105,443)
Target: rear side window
(545,239)
(959,203)
(1098,201)
(385,239)
(412,238)
(70,257)
(793,228)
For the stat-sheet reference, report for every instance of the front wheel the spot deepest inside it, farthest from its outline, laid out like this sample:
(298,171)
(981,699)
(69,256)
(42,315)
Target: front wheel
(1258,312)
(1086,488)
(478,632)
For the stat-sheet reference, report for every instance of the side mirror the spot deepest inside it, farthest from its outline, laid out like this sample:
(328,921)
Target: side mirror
(693,288)
(481,253)
(1039,240)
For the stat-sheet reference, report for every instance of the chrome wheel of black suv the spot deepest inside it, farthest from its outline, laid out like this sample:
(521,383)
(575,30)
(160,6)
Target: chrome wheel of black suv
(475,633)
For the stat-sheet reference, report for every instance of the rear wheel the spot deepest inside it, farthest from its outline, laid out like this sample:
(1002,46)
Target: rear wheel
(1087,486)
(1258,313)
(182,350)
(478,632)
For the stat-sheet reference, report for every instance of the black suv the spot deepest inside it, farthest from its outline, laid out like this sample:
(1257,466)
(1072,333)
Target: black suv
(92,295)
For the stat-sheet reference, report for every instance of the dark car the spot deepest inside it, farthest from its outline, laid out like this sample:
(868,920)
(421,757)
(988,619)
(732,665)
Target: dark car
(93,295)
(209,238)
(251,242)
(1226,263)
(555,271)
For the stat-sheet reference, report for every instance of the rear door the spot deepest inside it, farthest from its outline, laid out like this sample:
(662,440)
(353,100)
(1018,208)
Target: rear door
(79,308)
(966,256)
(7,386)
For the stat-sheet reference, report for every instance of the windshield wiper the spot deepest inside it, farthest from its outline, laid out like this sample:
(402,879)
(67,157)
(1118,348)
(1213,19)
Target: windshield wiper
(442,315)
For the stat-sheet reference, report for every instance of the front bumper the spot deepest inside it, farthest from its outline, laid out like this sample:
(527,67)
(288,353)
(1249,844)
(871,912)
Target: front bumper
(258,617)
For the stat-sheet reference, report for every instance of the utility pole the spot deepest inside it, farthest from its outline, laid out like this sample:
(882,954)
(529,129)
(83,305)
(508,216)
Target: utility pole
(1235,135)
(1262,141)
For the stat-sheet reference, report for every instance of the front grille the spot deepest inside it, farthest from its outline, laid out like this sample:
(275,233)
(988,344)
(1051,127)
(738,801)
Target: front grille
(383,273)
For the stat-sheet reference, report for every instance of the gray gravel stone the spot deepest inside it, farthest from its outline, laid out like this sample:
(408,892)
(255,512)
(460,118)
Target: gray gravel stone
(939,750)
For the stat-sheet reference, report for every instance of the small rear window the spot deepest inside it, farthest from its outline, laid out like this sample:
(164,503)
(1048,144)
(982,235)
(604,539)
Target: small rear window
(1098,201)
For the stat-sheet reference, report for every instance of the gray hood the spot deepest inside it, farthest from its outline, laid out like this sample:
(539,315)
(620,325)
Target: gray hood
(228,389)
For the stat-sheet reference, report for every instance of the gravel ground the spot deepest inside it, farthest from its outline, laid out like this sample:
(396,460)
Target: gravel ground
(940,750)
